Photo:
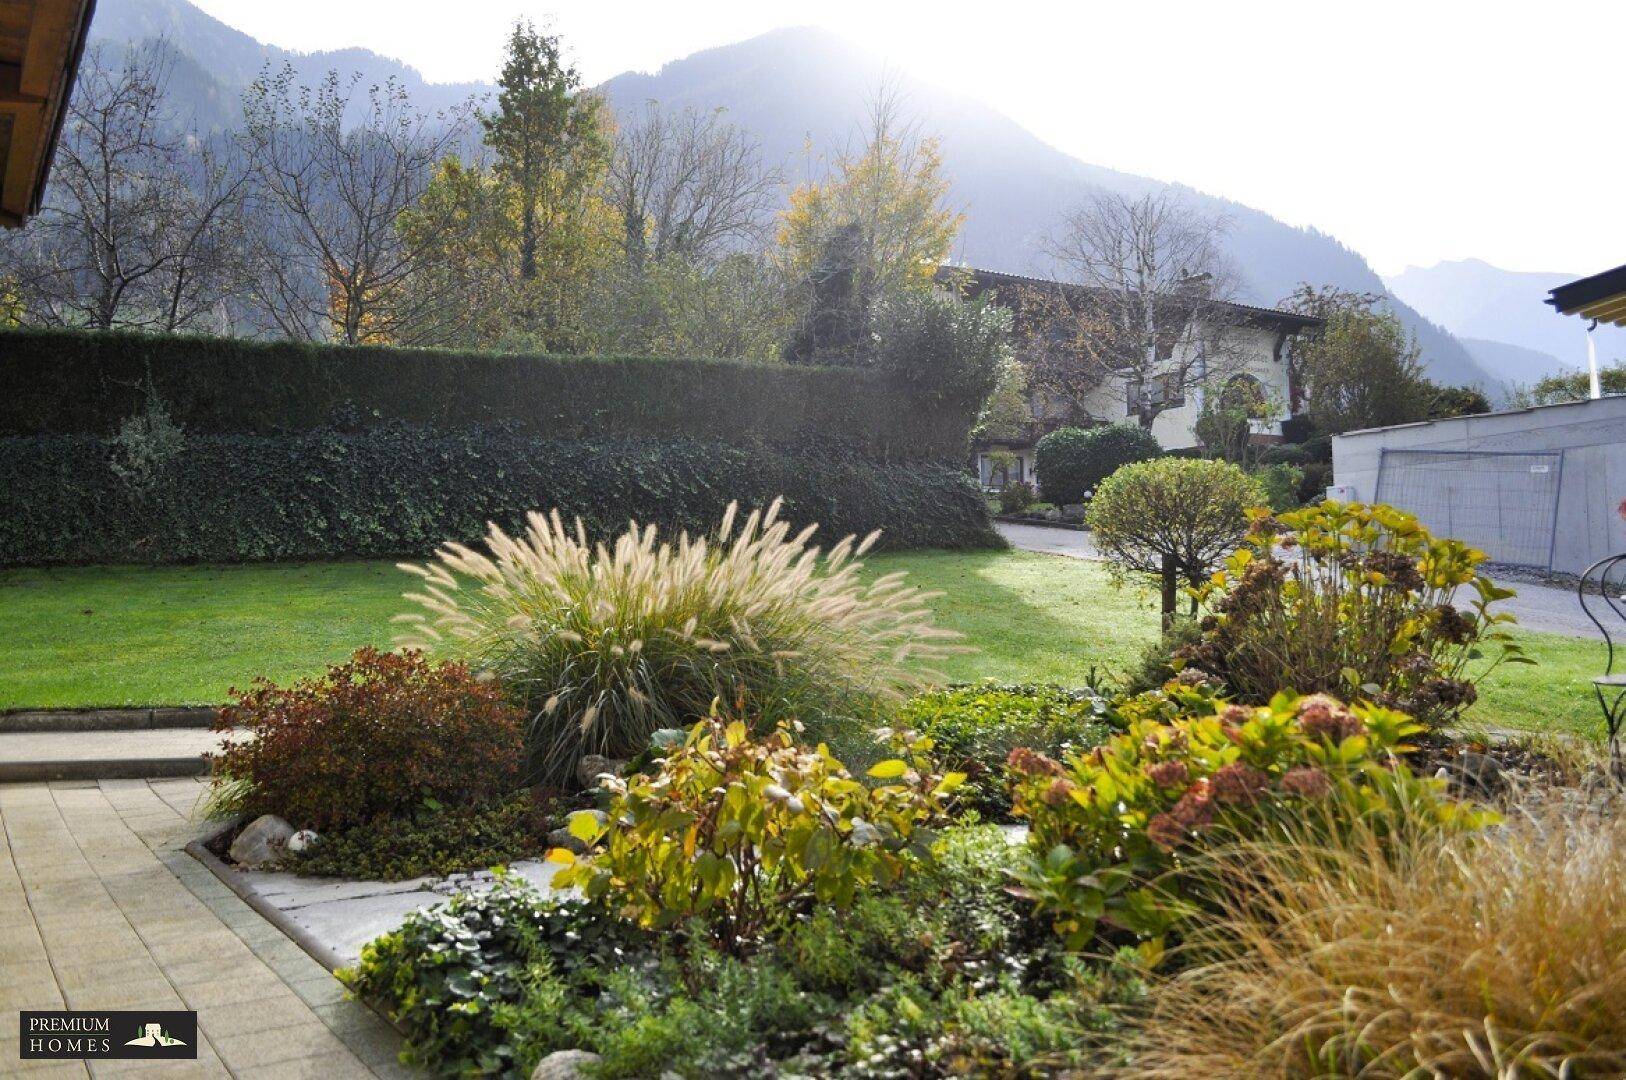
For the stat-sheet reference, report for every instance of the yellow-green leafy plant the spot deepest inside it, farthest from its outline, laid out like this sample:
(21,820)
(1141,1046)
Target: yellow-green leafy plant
(1398,954)
(605,645)
(1111,829)
(741,832)
(1355,600)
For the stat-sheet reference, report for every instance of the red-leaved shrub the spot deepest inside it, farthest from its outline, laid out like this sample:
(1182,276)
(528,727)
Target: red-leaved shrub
(377,737)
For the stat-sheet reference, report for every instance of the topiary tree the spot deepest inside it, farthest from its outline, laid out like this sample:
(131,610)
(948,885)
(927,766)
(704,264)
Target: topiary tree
(1073,461)
(1177,518)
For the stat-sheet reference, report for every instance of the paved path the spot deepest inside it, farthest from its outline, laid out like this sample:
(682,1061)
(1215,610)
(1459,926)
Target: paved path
(99,908)
(1539,607)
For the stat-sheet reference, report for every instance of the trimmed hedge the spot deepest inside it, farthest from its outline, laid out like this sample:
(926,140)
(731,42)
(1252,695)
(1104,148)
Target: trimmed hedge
(1072,462)
(400,491)
(58,382)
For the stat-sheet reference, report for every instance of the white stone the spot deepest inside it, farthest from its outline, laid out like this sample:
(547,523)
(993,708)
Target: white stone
(303,839)
(563,1065)
(263,840)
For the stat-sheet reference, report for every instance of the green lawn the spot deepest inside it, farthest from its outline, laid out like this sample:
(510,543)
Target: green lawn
(184,635)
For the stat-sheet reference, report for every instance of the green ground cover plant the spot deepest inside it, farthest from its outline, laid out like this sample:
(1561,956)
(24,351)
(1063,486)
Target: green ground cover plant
(975,726)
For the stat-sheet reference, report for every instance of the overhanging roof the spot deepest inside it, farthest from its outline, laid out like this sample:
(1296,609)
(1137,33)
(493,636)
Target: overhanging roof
(994,279)
(1601,296)
(40,45)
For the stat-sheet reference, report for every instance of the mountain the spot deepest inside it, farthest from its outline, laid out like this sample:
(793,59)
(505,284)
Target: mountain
(799,88)
(1503,318)
(215,62)
(802,87)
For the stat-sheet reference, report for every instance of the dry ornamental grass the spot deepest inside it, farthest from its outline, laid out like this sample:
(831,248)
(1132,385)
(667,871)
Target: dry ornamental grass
(607,644)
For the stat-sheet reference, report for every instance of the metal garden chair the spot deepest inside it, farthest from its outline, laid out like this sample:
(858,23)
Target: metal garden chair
(1604,579)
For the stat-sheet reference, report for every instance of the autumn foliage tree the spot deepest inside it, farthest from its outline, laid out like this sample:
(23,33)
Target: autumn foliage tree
(877,225)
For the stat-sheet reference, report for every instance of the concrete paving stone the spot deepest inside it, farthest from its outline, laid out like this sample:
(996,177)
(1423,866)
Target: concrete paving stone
(209,969)
(141,969)
(307,1069)
(255,985)
(288,891)
(282,1009)
(305,1040)
(22,949)
(108,949)
(40,993)
(153,995)
(318,990)
(163,1070)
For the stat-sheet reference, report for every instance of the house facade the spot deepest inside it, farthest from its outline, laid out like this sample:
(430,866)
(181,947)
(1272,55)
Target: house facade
(1258,345)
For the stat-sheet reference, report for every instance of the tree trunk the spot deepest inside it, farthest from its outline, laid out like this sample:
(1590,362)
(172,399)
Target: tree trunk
(1171,588)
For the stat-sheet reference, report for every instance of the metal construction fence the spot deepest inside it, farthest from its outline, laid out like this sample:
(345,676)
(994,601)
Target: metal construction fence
(1503,502)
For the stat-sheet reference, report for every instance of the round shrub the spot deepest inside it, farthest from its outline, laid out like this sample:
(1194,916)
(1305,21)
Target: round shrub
(1173,517)
(607,644)
(1071,462)
(379,737)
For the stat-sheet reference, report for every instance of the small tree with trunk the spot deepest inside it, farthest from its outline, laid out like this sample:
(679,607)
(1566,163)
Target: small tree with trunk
(1174,518)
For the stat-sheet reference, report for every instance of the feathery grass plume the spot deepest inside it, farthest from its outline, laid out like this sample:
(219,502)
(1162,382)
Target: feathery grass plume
(1419,954)
(606,644)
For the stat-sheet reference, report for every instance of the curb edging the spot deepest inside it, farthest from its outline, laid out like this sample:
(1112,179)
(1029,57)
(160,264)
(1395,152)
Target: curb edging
(147,718)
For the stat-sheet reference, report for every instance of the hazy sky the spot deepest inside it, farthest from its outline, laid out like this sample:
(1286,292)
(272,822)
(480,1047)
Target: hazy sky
(1413,132)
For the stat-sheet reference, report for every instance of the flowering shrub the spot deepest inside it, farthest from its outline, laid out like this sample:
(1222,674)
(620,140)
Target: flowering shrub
(1352,599)
(381,736)
(741,832)
(1109,829)
(607,645)
(974,727)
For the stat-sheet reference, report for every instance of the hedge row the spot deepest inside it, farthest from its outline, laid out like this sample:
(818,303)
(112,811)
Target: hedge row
(400,491)
(77,382)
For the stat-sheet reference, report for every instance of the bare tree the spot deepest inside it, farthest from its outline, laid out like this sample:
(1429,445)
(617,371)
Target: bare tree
(1150,307)
(333,170)
(689,185)
(138,227)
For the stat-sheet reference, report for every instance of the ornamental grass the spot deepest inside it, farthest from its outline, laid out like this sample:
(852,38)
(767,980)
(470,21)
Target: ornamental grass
(606,644)
(1500,955)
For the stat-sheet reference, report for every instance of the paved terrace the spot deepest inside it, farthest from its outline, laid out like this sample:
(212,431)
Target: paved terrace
(100,908)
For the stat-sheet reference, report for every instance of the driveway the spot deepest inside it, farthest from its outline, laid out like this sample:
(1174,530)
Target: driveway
(1547,608)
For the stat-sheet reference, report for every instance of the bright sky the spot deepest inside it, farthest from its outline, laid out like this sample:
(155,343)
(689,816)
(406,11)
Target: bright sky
(1412,131)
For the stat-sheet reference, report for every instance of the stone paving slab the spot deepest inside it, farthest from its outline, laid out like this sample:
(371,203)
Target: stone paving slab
(106,745)
(342,915)
(100,908)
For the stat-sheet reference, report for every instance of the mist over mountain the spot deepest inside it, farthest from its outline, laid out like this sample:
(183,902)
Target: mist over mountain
(1517,336)
(803,93)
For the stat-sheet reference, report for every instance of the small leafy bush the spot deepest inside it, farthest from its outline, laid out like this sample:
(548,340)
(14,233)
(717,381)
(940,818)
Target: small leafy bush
(1111,829)
(1015,497)
(607,645)
(384,735)
(433,842)
(1350,598)
(1280,483)
(1072,462)
(1176,518)
(742,833)
(974,728)
(456,978)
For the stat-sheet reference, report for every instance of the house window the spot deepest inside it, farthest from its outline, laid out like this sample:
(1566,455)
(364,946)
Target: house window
(1166,393)
(998,469)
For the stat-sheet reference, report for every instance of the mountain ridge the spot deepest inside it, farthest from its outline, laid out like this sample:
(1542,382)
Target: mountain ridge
(800,87)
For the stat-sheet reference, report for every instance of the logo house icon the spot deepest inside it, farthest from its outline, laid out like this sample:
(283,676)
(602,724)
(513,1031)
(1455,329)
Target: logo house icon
(154,1035)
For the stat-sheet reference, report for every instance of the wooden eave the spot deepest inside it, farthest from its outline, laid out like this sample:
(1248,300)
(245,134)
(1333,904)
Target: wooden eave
(40,45)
